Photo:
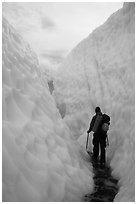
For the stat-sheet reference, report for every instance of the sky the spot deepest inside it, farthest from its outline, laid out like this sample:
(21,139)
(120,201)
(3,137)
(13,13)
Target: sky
(54,29)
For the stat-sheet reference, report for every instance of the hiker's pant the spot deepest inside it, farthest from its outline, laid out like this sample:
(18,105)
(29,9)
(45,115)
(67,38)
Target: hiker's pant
(99,142)
(103,153)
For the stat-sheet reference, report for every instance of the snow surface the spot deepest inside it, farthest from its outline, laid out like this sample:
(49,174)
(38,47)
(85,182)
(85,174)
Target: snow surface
(41,160)
(100,71)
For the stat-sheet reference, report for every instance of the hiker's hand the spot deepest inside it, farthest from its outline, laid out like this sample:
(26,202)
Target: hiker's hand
(88,131)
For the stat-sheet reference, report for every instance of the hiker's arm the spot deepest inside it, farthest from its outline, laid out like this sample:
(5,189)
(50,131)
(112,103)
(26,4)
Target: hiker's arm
(91,125)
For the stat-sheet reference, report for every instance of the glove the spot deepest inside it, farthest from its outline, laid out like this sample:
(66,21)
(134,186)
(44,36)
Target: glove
(88,131)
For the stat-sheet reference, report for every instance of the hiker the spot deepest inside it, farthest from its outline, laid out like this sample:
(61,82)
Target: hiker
(99,125)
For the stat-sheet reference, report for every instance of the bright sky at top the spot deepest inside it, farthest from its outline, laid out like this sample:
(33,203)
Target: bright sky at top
(54,29)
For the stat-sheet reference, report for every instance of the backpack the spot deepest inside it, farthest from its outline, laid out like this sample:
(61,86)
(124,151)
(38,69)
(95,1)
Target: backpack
(105,127)
(105,123)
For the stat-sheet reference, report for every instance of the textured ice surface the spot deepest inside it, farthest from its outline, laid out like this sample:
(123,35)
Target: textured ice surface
(100,70)
(41,159)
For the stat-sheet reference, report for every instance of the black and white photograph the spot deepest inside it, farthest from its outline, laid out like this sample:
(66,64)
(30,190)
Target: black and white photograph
(68,101)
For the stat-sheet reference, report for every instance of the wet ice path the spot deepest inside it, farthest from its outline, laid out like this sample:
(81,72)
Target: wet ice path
(106,186)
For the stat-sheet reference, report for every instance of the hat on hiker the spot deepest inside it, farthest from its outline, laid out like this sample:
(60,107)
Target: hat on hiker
(97,109)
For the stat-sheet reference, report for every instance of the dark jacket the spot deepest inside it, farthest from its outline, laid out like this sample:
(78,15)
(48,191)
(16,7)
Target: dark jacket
(92,123)
(105,119)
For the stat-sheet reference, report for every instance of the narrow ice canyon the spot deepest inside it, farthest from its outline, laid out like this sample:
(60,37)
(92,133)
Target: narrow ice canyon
(44,127)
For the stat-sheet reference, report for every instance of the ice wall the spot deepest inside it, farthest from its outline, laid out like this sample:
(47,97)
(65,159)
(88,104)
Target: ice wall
(40,159)
(100,70)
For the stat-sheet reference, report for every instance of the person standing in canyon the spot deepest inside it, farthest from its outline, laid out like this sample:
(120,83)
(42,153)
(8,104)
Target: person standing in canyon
(99,125)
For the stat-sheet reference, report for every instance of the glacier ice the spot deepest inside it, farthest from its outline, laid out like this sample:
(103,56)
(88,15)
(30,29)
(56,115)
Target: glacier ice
(41,160)
(100,71)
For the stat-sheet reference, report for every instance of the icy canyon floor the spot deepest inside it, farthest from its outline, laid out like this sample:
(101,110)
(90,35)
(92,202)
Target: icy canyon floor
(105,185)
